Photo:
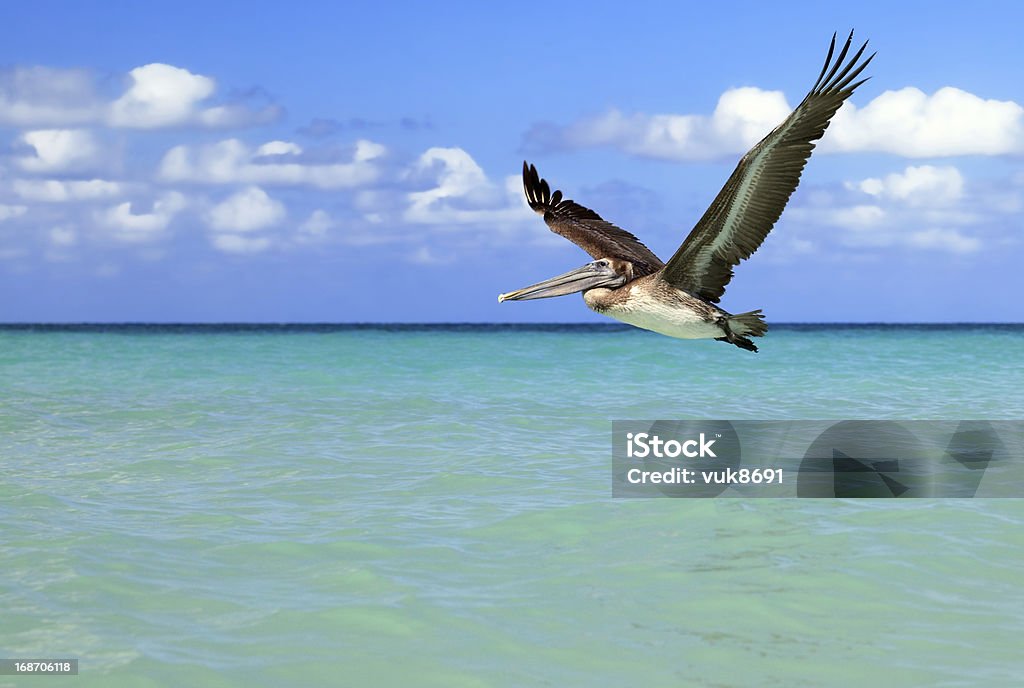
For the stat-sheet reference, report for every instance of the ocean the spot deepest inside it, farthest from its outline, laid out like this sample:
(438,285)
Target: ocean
(431,506)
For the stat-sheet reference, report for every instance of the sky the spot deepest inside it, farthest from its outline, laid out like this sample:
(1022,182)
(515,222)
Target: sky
(360,162)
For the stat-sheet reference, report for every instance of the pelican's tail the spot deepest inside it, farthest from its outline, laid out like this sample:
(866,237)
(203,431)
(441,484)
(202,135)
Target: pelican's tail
(743,326)
(751,323)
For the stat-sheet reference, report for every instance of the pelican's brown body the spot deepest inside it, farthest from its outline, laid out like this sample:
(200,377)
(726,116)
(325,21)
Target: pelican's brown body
(651,303)
(628,282)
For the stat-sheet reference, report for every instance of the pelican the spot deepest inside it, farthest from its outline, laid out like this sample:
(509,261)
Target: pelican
(626,281)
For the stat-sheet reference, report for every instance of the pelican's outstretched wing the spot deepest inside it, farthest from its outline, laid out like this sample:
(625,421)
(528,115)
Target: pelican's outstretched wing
(585,228)
(750,203)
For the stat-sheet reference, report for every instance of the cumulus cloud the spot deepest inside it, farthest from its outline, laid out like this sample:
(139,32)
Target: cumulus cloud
(317,223)
(461,192)
(238,220)
(132,226)
(245,211)
(233,243)
(63,236)
(910,123)
(860,216)
(925,185)
(278,148)
(54,150)
(43,96)
(157,95)
(60,191)
(160,95)
(275,163)
(741,118)
(905,122)
(951,240)
(922,207)
(10,211)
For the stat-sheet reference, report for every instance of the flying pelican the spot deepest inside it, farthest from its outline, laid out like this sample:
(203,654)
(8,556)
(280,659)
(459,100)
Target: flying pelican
(629,283)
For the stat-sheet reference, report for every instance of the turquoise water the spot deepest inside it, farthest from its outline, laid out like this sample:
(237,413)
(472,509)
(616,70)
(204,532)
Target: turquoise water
(430,507)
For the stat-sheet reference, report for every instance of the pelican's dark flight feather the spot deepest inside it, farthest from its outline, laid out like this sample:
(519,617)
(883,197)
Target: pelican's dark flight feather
(585,228)
(626,281)
(753,198)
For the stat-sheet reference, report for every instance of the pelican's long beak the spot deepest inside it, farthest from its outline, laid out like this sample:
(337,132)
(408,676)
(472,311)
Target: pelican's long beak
(590,276)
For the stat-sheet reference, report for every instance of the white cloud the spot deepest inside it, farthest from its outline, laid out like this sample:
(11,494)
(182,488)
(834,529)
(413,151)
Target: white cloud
(42,96)
(924,185)
(58,150)
(462,194)
(237,115)
(742,117)
(922,208)
(317,223)
(278,148)
(910,123)
(157,95)
(233,162)
(459,176)
(131,226)
(160,95)
(233,243)
(368,150)
(59,191)
(906,122)
(63,236)
(944,239)
(854,217)
(9,211)
(248,210)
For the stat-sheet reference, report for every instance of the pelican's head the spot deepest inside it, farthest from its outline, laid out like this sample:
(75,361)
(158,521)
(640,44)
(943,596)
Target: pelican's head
(607,273)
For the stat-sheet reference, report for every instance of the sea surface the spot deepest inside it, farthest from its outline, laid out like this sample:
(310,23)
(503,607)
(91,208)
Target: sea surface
(431,506)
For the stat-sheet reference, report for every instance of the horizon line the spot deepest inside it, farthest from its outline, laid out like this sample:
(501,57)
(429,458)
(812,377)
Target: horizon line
(453,323)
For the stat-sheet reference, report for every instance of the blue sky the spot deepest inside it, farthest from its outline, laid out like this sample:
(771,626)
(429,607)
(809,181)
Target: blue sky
(355,162)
